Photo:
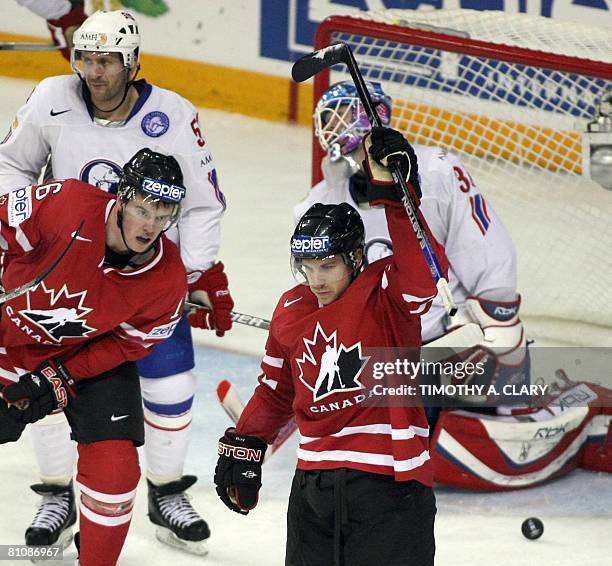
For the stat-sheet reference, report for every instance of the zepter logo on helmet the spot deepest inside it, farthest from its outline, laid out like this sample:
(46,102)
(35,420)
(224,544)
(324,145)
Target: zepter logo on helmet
(107,32)
(340,119)
(324,231)
(155,181)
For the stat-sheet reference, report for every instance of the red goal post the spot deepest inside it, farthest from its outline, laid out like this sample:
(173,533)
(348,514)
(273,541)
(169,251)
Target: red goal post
(512,95)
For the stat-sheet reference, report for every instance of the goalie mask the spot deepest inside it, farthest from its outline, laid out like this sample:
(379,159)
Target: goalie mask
(154,179)
(340,119)
(107,32)
(325,231)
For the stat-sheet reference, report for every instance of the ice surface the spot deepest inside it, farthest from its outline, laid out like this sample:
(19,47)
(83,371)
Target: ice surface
(264,169)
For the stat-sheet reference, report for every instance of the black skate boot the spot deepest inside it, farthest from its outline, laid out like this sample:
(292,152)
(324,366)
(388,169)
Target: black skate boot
(55,516)
(180,526)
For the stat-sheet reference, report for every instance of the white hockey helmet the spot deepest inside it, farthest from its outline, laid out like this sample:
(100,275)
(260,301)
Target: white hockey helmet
(108,32)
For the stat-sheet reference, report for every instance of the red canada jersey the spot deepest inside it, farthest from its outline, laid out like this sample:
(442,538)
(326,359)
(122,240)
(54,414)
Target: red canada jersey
(90,315)
(314,356)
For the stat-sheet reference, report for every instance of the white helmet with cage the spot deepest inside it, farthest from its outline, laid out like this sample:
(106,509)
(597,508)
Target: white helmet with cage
(108,32)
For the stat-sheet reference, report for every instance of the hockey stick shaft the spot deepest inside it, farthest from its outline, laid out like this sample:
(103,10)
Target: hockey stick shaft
(23,289)
(22,46)
(233,406)
(23,404)
(238,317)
(313,63)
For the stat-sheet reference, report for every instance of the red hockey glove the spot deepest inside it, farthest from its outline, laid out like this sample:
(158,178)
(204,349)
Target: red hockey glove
(38,393)
(62,29)
(214,283)
(238,470)
(382,147)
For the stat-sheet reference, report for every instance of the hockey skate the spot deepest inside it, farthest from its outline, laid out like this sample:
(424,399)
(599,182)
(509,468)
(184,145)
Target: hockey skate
(179,525)
(55,516)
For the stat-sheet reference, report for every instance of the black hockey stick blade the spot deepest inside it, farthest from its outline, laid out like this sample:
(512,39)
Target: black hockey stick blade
(313,63)
(23,289)
(22,46)
(237,317)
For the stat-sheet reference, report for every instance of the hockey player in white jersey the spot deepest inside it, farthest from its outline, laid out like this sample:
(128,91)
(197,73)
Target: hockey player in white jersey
(85,125)
(481,255)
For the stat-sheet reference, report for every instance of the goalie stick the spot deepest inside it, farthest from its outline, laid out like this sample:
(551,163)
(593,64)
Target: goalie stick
(317,61)
(458,340)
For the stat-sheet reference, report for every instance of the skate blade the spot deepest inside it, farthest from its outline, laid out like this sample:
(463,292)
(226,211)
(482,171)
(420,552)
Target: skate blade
(64,540)
(166,536)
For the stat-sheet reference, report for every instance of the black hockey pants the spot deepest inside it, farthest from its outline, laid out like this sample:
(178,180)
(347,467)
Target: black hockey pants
(351,518)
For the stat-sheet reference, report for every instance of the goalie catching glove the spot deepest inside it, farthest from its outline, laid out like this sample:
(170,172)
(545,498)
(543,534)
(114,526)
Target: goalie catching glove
(382,147)
(238,471)
(39,393)
(211,288)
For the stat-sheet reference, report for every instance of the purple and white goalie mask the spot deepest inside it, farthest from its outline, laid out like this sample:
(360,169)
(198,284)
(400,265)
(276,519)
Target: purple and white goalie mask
(341,121)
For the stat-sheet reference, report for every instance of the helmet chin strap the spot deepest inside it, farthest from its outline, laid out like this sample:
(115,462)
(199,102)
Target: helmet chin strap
(128,84)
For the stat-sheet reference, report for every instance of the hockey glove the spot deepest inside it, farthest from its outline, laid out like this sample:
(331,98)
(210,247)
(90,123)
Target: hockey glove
(382,147)
(238,471)
(62,29)
(39,392)
(212,284)
(10,430)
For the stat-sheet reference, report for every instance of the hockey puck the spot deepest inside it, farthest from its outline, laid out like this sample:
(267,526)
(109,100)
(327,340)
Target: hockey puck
(532,528)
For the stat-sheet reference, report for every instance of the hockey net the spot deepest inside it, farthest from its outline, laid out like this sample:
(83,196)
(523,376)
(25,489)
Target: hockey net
(511,95)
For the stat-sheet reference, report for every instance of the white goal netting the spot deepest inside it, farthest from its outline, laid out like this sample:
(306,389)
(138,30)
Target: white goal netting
(512,96)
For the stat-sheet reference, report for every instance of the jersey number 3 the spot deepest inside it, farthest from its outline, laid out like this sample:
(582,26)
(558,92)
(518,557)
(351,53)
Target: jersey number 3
(480,215)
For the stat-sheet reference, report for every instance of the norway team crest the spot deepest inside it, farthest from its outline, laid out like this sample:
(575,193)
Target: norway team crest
(60,322)
(327,367)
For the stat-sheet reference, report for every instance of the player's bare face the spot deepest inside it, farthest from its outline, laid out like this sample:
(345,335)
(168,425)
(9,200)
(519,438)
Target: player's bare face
(143,222)
(327,278)
(105,77)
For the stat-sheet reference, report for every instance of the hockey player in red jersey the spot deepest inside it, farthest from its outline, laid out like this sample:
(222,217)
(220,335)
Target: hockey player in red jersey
(107,114)
(362,489)
(477,449)
(69,343)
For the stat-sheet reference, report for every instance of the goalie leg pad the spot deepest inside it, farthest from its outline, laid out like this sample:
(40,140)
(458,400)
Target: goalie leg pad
(497,453)
(597,455)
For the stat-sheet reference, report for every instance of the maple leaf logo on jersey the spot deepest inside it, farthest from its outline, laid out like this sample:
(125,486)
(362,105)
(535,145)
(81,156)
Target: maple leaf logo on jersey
(327,368)
(65,321)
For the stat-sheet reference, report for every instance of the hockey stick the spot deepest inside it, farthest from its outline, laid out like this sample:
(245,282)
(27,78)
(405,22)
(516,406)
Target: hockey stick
(22,46)
(463,338)
(237,317)
(233,406)
(317,61)
(22,289)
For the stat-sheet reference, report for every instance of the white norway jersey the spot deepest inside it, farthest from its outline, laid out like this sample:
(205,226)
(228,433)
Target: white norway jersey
(481,255)
(56,121)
